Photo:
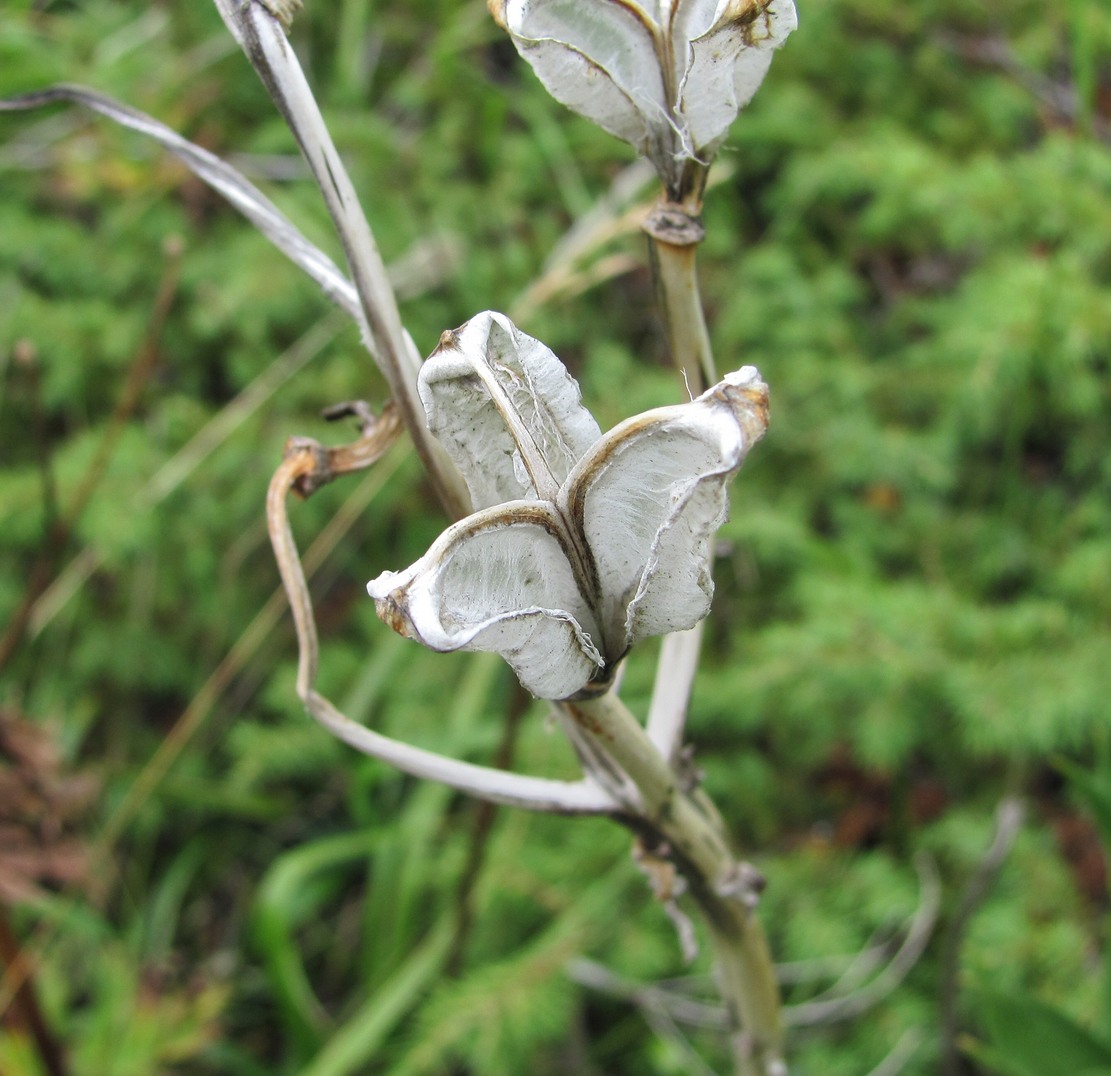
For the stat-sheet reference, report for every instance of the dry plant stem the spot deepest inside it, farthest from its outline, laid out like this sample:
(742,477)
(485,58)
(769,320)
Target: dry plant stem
(724,889)
(845,1000)
(832,1007)
(192,718)
(1009,816)
(671,692)
(674,269)
(674,232)
(306,467)
(688,821)
(231,185)
(235,661)
(260,35)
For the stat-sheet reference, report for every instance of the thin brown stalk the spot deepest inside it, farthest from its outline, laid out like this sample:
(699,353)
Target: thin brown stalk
(244,649)
(306,466)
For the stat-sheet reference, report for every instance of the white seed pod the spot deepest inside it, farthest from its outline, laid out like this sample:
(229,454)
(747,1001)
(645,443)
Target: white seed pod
(668,77)
(599,546)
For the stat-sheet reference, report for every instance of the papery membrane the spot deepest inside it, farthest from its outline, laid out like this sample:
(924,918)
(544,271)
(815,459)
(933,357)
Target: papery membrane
(499,581)
(596,58)
(727,62)
(648,499)
(489,387)
(668,78)
(612,540)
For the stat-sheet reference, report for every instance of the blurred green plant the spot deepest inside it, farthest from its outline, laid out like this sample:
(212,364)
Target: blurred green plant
(909,238)
(1022,1035)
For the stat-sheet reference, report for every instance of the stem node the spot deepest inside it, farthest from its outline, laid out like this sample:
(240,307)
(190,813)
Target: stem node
(674,224)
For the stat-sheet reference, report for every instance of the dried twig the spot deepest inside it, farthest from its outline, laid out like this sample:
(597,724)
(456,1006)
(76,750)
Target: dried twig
(847,1006)
(307,466)
(260,36)
(1009,816)
(685,1009)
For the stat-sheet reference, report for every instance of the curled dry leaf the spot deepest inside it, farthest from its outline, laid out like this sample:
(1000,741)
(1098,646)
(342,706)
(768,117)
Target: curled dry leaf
(583,544)
(667,76)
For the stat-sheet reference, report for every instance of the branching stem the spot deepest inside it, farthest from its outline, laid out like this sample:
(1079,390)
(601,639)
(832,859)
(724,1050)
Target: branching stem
(256,29)
(630,774)
(678,825)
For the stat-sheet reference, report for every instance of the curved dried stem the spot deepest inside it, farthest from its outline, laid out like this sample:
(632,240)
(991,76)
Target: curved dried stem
(307,466)
(243,650)
(239,191)
(845,1006)
(841,1002)
(260,35)
(900,1054)
(1009,817)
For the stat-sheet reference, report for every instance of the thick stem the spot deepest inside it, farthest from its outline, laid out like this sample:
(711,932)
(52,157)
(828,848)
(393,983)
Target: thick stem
(680,826)
(674,232)
(747,979)
(724,889)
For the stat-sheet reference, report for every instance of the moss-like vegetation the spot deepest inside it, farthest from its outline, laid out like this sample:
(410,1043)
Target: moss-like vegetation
(909,232)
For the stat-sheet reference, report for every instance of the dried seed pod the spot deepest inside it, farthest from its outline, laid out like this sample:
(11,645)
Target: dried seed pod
(668,77)
(600,540)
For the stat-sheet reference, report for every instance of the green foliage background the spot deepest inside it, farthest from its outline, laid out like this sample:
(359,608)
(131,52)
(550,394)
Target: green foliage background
(913,243)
